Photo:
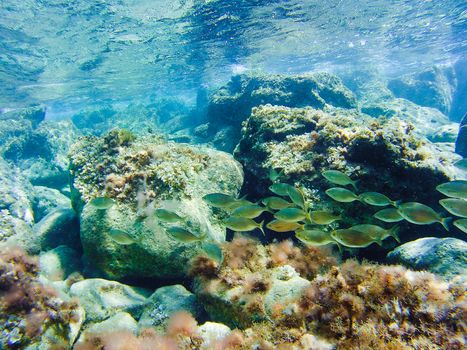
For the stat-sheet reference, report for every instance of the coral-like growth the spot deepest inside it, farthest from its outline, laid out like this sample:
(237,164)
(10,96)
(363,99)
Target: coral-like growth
(353,305)
(364,305)
(27,308)
(307,261)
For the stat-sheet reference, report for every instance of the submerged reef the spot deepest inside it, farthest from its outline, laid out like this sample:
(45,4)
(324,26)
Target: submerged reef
(231,105)
(36,146)
(141,175)
(385,155)
(282,295)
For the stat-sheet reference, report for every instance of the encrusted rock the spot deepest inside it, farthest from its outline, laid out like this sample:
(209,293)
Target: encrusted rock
(102,298)
(142,175)
(232,104)
(426,120)
(384,154)
(164,302)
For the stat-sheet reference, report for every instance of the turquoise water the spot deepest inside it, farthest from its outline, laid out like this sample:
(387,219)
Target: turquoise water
(74,54)
(220,175)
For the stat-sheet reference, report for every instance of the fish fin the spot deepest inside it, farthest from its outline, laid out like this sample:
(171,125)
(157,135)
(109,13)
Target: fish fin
(204,234)
(354,184)
(394,232)
(340,248)
(379,242)
(396,203)
(260,226)
(445,222)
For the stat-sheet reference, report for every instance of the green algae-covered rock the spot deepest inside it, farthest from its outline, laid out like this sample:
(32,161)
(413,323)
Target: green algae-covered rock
(102,298)
(232,104)
(384,154)
(443,256)
(142,175)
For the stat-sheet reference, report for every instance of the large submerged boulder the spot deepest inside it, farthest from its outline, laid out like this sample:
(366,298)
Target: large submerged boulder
(384,154)
(231,105)
(433,87)
(142,175)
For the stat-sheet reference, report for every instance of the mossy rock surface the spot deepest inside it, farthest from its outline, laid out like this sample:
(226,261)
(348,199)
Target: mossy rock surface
(142,175)
(384,154)
(230,105)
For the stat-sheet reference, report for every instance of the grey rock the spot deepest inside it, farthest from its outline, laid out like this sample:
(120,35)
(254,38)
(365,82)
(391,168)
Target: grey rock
(459,100)
(47,199)
(228,305)
(286,286)
(368,85)
(58,263)
(35,115)
(59,227)
(51,168)
(433,87)
(120,321)
(102,298)
(443,256)
(164,302)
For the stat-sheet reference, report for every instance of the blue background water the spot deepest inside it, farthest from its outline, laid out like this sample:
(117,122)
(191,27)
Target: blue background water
(68,54)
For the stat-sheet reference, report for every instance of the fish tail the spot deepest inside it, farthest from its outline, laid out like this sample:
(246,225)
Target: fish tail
(396,203)
(445,222)
(394,232)
(260,226)
(354,184)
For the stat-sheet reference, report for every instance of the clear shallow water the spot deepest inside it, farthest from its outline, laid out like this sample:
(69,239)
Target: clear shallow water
(70,54)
